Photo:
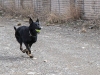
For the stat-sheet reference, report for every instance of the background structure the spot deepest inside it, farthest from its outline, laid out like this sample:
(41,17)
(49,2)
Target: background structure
(89,9)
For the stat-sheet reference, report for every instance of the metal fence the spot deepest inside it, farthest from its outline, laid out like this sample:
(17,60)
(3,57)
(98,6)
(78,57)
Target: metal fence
(89,8)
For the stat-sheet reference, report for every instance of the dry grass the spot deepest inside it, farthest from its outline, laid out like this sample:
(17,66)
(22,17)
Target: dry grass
(19,12)
(26,12)
(56,18)
(29,11)
(72,13)
(75,12)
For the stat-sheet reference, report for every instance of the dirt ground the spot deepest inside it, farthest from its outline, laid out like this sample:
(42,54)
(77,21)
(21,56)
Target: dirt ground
(59,51)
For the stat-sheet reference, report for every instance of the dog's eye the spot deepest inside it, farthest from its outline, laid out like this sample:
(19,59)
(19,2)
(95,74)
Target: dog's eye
(38,24)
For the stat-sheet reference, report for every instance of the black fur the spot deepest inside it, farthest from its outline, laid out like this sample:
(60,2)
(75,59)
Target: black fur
(27,35)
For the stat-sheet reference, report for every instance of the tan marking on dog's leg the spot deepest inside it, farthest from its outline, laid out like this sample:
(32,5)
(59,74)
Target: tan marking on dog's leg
(28,53)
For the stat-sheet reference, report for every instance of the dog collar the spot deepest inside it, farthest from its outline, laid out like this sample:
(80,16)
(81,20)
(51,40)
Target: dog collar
(31,34)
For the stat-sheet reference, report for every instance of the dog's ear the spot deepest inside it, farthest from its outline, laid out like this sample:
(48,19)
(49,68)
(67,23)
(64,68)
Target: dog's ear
(37,20)
(30,21)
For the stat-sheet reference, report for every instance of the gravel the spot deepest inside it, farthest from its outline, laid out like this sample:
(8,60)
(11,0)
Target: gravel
(59,51)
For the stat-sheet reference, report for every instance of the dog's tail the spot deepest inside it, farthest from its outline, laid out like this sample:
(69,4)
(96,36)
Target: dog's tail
(15,28)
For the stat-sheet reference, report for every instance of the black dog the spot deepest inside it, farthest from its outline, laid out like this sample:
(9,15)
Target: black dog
(27,35)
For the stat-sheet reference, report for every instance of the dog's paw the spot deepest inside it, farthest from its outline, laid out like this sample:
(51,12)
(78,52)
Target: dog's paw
(21,48)
(31,56)
(24,50)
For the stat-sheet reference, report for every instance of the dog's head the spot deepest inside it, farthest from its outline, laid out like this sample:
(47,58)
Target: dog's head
(34,26)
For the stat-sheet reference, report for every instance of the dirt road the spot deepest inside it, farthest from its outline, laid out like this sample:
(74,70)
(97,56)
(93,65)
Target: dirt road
(58,51)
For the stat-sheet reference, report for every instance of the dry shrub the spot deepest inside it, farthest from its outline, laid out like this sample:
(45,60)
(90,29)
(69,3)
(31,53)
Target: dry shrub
(19,12)
(75,12)
(43,13)
(0,7)
(1,12)
(28,11)
(56,18)
(72,13)
(10,10)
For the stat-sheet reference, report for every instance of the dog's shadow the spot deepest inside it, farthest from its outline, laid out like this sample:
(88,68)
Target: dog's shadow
(13,58)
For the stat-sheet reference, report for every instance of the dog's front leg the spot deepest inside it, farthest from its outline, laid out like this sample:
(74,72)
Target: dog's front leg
(28,51)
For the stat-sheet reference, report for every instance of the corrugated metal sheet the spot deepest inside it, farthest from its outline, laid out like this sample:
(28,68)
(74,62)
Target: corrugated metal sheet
(89,8)
(80,5)
(92,9)
(60,6)
(8,3)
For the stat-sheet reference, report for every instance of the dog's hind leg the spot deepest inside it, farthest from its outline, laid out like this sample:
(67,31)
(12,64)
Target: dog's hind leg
(28,51)
(19,41)
(21,48)
(30,45)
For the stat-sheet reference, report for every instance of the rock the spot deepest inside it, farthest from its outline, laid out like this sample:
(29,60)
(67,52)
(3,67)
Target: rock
(31,73)
(34,58)
(83,47)
(26,20)
(45,61)
(83,30)
(19,24)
